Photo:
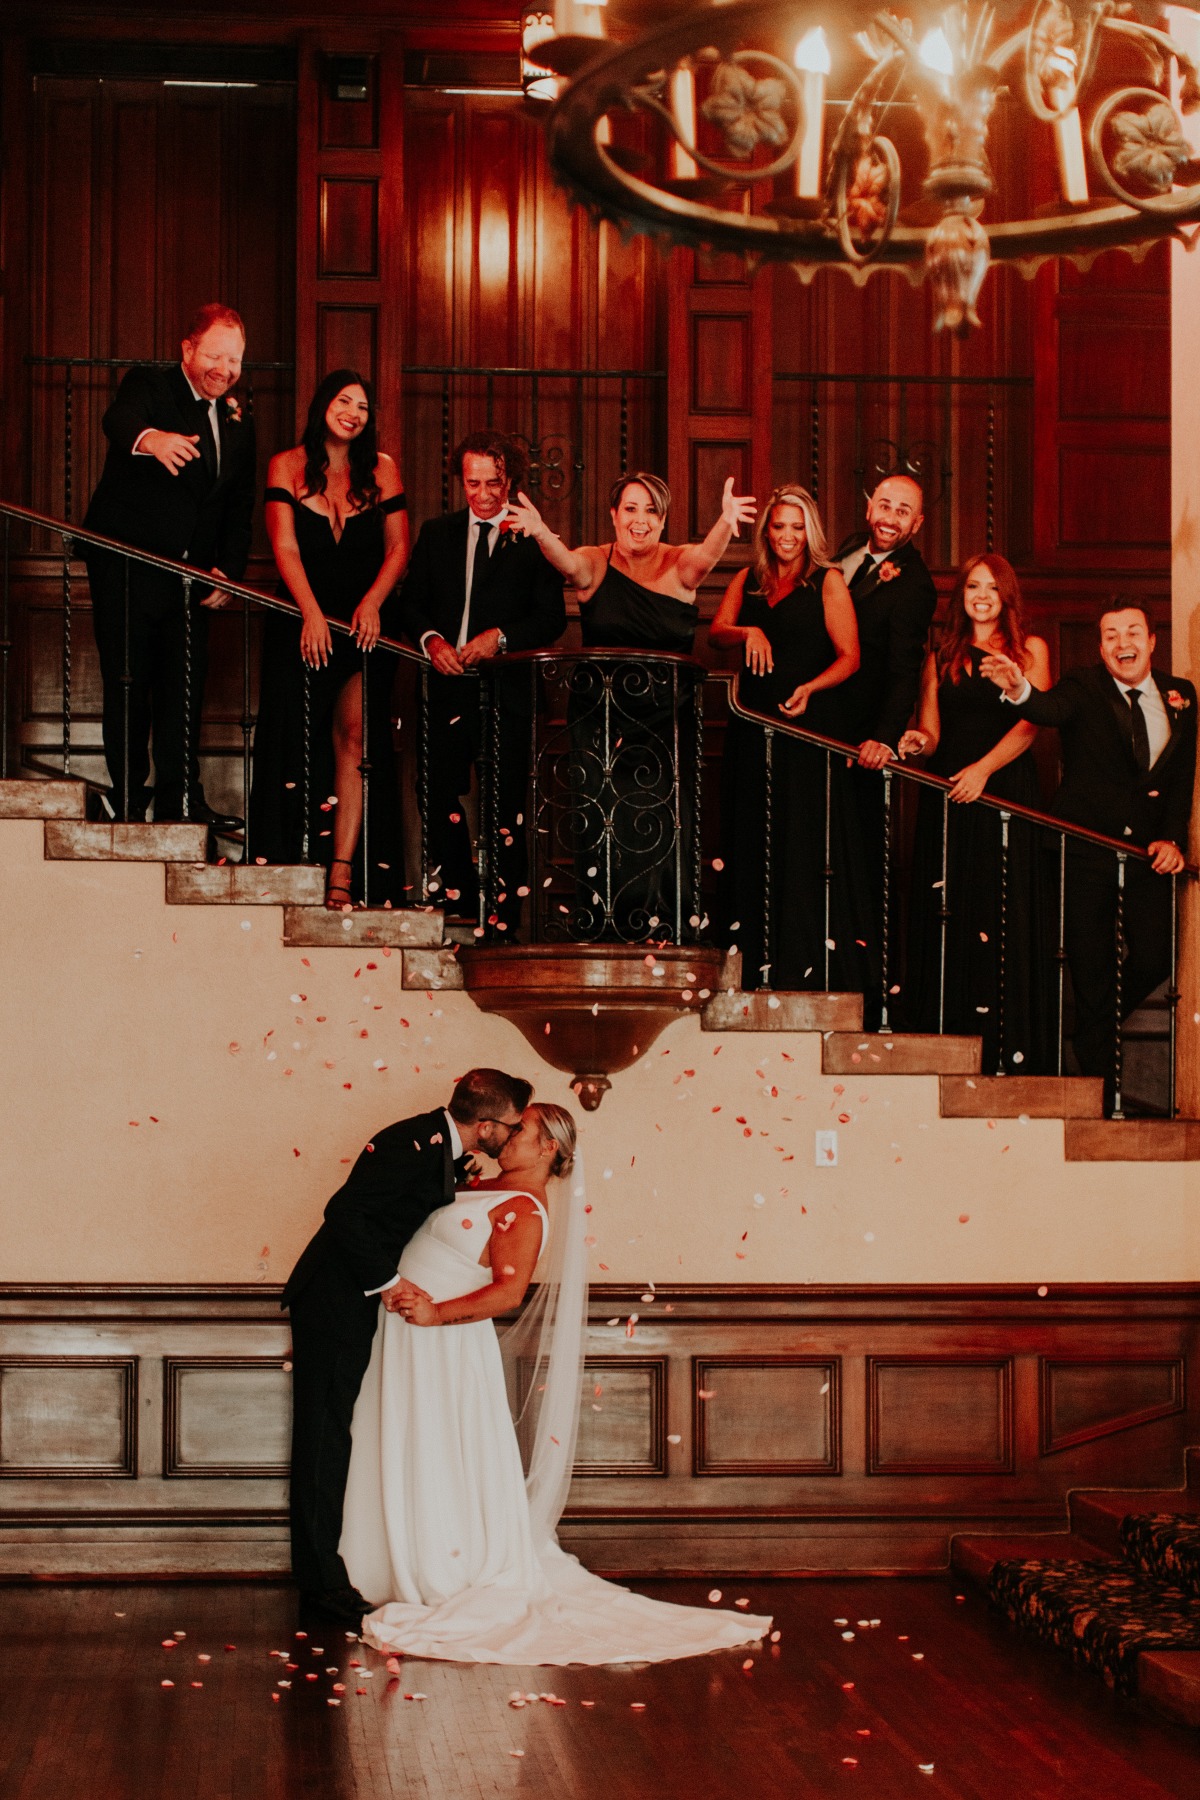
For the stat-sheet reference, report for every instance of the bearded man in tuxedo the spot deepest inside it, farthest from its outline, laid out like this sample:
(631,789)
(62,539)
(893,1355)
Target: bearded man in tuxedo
(894,601)
(179,481)
(1128,770)
(332,1296)
(473,590)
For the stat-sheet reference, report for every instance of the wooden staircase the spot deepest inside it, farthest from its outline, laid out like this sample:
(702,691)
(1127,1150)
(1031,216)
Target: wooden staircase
(1101,1524)
(430,962)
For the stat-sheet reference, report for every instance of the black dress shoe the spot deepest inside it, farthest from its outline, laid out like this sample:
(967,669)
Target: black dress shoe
(204,814)
(346,1604)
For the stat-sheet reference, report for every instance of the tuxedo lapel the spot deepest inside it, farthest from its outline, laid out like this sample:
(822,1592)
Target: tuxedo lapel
(447,1169)
(1121,712)
(1175,716)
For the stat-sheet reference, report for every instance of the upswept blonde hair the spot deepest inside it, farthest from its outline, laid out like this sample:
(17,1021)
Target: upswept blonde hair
(762,557)
(559,1128)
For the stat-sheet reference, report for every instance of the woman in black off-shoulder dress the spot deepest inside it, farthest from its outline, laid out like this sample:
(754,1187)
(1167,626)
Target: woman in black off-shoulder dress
(971,738)
(339,529)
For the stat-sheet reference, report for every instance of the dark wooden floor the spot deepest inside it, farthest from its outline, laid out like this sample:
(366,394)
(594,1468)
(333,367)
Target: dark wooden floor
(939,1681)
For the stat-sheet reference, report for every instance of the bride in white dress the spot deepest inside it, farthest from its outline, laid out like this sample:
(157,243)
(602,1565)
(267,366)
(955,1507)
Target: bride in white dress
(443,1531)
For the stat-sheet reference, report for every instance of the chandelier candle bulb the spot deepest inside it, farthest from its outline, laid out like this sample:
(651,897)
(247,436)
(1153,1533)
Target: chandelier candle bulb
(813,62)
(1072,167)
(683,105)
(579,18)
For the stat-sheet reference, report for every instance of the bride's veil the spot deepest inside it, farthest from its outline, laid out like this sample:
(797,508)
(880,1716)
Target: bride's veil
(543,1355)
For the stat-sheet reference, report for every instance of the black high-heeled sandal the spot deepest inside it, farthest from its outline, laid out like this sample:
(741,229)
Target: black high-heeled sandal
(332,887)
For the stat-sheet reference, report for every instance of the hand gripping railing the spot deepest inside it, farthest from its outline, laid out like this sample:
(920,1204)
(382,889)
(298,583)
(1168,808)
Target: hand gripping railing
(1123,851)
(191,579)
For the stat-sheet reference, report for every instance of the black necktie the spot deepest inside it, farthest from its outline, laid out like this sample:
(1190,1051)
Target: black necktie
(1141,737)
(479,566)
(865,568)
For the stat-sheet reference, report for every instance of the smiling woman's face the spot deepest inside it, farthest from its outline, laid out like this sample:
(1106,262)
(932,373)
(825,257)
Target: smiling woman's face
(636,523)
(347,413)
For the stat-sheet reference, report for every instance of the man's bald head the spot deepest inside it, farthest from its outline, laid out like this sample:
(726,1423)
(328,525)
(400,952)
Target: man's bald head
(895,513)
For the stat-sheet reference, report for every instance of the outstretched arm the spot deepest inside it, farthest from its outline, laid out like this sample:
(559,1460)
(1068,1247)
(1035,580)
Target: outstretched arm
(577,567)
(695,560)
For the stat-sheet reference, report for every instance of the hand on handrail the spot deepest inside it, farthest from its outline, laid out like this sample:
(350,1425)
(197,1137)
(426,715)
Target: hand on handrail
(1166,858)
(913,743)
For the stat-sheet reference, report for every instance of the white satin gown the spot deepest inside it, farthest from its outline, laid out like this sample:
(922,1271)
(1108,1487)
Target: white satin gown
(436,1528)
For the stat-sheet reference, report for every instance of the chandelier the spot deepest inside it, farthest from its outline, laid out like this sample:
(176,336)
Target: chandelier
(850,136)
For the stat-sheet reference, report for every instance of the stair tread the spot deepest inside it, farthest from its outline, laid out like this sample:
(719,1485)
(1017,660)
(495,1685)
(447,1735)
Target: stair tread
(80,840)
(52,799)
(1123,1503)
(809,1010)
(1016,1096)
(1048,1546)
(1169,1680)
(362,927)
(229,884)
(900,1053)
(1132,1140)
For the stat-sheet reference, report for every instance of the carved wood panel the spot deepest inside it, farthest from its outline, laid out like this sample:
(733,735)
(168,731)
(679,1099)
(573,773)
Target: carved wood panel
(936,1415)
(68,1416)
(1085,1399)
(621,1417)
(768,1415)
(225,1418)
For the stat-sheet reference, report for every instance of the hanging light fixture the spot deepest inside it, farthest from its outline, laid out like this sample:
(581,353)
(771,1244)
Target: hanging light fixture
(804,104)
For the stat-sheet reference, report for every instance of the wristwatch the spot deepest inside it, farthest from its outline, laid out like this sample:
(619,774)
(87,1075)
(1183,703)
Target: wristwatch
(502,646)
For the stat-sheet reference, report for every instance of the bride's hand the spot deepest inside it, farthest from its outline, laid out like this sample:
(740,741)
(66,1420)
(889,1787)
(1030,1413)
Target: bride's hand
(400,1295)
(419,1309)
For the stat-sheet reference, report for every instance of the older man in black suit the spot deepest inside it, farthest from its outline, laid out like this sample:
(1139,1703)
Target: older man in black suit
(474,590)
(1128,770)
(332,1295)
(894,601)
(178,480)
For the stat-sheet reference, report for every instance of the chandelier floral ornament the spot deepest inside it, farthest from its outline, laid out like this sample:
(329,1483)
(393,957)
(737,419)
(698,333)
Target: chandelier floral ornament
(853,136)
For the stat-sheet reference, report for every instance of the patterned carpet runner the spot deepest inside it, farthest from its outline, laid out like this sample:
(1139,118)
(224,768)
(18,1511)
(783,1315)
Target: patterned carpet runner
(1104,1614)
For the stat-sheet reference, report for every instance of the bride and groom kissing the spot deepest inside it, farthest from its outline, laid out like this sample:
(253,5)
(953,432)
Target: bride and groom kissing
(414,1515)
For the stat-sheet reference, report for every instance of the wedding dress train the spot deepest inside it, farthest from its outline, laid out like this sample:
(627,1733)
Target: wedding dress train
(436,1528)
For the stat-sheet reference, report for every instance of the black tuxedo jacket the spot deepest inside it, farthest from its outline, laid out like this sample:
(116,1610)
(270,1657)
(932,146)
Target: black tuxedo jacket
(893,627)
(1102,787)
(197,513)
(402,1175)
(519,592)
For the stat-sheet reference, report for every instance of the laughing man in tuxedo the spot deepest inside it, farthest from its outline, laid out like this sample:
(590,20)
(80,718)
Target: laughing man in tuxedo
(894,600)
(332,1295)
(178,480)
(473,591)
(1128,770)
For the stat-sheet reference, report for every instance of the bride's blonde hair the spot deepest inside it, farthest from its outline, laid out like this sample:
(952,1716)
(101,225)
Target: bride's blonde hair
(558,1128)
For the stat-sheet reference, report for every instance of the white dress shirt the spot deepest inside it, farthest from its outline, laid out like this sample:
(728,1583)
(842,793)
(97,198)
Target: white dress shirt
(473,524)
(1158,725)
(456,1150)
(212,415)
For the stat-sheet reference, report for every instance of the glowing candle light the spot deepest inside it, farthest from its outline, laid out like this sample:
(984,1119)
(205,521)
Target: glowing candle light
(813,61)
(1068,128)
(683,105)
(935,52)
(579,18)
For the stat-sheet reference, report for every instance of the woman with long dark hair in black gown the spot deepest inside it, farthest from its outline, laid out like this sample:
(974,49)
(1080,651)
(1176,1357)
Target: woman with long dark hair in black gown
(631,723)
(336,516)
(791,616)
(969,737)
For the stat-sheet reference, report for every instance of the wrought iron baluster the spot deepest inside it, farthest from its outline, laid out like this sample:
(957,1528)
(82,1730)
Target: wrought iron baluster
(580,464)
(1173,997)
(5,651)
(535,448)
(306,779)
(886,945)
(1118,1036)
(499,827)
(423,779)
(624,434)
(187,697)
(814,444)
(768,939)
(676,801)
(68,443)
(364,771)
(126,695)
(608,787)
(827,876)
(1061,952)
(698,686)
(247,729)
(532,835)
(943,910)
(1002,973)
(68,550)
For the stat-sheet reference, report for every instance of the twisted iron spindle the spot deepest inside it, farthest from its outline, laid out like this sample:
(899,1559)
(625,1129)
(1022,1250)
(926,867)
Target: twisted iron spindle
(814,446)
(764,974)
(827,873)
(532,834)
(886,945)
(624,430)
(187,697)
(1173,997)
(943,910)
(5,652)
(126,699)
(423,778)
(364,770)
(306,777)
(247,729)
(676,801)
(1002,972)
(1118,1036)
(68,550)
(1061,952)
(990,473)
(697,803)
(68,443)
(499,892)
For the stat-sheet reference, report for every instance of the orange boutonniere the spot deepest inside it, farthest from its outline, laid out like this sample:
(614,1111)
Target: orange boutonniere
(1176,701)
(888,571)
(233,409)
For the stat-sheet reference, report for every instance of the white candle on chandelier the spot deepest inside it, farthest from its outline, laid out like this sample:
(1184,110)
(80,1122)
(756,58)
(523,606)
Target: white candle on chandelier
(1068,131)
(579,18)
(935,52)
(813,62)
(683,106)
(538,82)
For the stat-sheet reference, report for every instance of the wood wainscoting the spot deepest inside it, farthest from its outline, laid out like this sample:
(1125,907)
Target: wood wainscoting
(755,1430)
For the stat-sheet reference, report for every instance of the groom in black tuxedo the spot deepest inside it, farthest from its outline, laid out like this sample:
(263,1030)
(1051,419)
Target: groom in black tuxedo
(472,591)
(894,602)
(178,480)
(332,1295)
(1128,770)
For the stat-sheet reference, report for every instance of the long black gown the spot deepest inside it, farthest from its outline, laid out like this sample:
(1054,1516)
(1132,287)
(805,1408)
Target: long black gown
(627,721)
(340,571)
(785,930)
(973,720)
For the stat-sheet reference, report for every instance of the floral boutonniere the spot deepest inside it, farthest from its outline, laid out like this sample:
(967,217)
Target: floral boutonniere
(507,532)
(888,571)
(233,410)
(1176,701)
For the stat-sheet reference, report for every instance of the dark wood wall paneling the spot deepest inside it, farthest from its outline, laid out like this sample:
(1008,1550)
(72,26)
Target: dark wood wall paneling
(748,1429)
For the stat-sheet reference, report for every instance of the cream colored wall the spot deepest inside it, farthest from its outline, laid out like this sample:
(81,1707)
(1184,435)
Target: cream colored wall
(157,1080)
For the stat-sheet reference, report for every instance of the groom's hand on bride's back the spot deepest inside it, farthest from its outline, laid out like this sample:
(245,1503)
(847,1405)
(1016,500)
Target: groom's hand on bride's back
(401,1294)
